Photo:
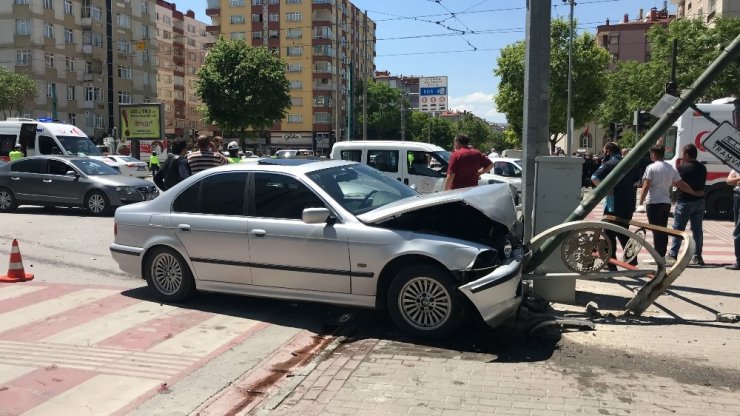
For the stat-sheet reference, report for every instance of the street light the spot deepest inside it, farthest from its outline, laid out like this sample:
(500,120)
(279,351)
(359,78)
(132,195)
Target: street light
(569,121)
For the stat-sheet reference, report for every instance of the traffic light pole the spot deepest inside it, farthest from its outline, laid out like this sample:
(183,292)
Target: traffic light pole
(725,58)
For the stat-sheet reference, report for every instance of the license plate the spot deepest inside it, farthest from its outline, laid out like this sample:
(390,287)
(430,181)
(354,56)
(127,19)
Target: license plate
(141,168)
(149,197)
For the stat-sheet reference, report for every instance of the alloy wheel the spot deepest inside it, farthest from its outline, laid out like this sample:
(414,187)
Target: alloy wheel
(425,303)
(6,200)
(96,203)
(166,273)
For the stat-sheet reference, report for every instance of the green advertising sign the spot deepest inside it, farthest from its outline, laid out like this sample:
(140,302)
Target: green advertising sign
(141,121)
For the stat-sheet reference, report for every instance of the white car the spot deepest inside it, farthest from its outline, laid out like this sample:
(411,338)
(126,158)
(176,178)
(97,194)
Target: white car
(129,166)
(508,170)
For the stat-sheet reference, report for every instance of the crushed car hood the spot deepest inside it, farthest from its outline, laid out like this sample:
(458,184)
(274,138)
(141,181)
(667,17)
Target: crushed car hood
(495,201)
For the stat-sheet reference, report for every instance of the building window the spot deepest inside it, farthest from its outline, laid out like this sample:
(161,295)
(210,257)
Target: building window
(48,30)
(294,17)
(166,34)
(68,7)
(273,34)
(614,39)
(237,19)
(69,64)
(273,17)
(292,1)
(295,50)
(191,42)
(256,2)
(124,46)
(71,96)
(144,7)
(321,101)
(23,57)
(321,118)
(22,27)
(93,94)
(48,4)
(294,33)
(238,35)
(22,1)
(50,89)
(236,3)
(99,121)
(96,12)
(69,36)
(124,97)
(145,55)
(296,101)
(72,118)
(257,35)
(49,59)
(123,20)
(296,85)
(295,118)
(295,67)
(145,32)
(145,79)
(256,17)
(124,72)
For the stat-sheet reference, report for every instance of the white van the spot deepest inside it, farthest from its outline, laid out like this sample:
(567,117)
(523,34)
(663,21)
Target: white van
(44,138)
(693,128)
(422,165)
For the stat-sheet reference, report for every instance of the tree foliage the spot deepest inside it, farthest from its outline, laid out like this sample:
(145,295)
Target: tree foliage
(243,87)
(636,85)
(589,80)
(384,106)
(16,90)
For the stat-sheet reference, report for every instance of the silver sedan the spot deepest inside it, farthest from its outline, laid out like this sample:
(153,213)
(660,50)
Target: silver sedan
(329,231)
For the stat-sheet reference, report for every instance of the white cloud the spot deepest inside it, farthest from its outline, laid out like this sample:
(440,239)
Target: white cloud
(480,104)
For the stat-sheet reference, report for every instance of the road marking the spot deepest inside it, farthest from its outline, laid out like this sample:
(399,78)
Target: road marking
(206,337)
(9,372)
(7,292)
(101,395)
(111,324)
(22,316)
(36,387)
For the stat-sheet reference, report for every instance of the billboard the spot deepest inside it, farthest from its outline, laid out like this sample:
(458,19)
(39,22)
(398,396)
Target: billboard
(141,121)
(433,94)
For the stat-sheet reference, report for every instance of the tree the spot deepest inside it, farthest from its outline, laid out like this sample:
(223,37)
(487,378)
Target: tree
(243,87)
(589,80)
(384,106)
(16,90)
(477,130)
(422,127)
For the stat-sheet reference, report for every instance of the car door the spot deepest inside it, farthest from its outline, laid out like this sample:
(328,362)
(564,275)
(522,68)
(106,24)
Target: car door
(284,251)
(209,219)
(420,174)
(25,179)
(386,161)
(60,188)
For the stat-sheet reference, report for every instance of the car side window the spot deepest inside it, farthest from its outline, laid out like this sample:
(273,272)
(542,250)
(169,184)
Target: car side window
(419,164)
(281,196)
(383,160)
(47,146)
(7,143)
(219,194)
(29,166)
(353,155)
(57,167)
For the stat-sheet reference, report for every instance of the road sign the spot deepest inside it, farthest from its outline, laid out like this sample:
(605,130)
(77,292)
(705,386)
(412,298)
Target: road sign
(433,94)
(724,142)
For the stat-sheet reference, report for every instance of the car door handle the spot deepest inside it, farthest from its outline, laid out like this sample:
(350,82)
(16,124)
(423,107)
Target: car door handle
(47,180)
(15,178)
(183,227)
(258,232)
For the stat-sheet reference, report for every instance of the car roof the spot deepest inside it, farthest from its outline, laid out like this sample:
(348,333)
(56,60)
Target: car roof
(295,166)
(385,143)
(62,157)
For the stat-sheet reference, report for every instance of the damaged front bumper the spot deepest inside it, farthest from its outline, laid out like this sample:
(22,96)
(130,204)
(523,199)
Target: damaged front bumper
(497,296)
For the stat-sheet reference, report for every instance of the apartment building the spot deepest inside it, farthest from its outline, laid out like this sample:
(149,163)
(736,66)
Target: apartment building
(706,9)
(182,44)
(627,40)
(83,67)
(327,46)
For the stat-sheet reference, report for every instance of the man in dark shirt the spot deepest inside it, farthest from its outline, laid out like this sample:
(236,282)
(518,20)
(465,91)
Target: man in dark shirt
(621,200)
(466,165)
(690,207)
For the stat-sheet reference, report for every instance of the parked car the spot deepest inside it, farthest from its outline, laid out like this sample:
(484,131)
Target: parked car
(130,166)
(509,170)
(355,237)
(69,181)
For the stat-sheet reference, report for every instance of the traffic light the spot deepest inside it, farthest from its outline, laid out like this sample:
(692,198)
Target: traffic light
(642,120)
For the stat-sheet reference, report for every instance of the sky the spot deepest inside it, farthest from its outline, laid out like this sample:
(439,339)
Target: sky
(461,39)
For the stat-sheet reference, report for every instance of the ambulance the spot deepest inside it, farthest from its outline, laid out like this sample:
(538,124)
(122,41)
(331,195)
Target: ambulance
(692,127)
(44,137)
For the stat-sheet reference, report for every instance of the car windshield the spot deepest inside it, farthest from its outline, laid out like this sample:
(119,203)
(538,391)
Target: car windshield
(76,145)
(128,159)
(94,167)
(444,155)
(359,188)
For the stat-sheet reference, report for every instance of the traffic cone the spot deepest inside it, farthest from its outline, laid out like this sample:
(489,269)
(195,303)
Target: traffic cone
(16,273)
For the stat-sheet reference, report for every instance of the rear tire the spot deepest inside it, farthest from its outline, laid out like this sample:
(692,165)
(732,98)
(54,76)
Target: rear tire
(424,301)
(8,203)
(168,275)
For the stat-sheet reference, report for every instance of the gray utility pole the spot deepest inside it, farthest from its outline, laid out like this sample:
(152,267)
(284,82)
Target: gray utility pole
(536,100)
(569,121)
(338,73)
(365,70)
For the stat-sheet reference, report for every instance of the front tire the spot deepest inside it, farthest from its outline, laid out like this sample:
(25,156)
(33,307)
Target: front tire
(424,301)
(168,275)
(8,203)
(97,204)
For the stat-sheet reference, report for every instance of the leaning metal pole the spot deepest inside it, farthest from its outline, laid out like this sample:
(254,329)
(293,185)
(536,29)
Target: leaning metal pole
(726,57)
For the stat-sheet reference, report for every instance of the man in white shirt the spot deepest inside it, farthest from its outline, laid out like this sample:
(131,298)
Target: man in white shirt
(658,179)
(493,153)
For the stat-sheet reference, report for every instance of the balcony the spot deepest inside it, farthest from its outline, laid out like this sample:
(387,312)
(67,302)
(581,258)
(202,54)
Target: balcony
(213,12)
(87,48)
(87,105)
(216,29)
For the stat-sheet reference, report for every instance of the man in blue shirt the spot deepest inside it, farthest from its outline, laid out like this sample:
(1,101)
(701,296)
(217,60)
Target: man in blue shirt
(621,199)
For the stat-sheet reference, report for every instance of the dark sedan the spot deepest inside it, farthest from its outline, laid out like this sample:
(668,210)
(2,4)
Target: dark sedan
(69,181)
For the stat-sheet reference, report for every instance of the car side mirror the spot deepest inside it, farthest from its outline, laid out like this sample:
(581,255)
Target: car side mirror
(315,215)
(72,174)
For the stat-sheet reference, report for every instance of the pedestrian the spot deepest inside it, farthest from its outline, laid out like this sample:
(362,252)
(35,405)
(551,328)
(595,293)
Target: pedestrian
(621,199)
(217,144)
(205,157)
(16,153)
(154,163)
(233,148)
(466,165)
(175,168)
(734,180)
(690,207)
(656,194)
(493,153)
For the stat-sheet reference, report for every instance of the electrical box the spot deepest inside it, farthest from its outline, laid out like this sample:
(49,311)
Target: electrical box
(557,193)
